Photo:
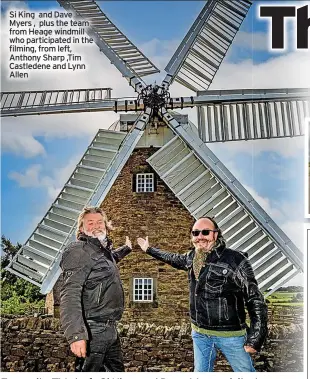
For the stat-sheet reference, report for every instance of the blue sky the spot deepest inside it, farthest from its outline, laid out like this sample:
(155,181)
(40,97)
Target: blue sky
(40,152)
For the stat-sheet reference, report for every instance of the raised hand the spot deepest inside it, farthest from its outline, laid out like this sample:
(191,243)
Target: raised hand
(143,243)
(128,242)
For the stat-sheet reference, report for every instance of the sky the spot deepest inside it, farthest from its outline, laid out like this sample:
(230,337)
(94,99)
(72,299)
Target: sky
(39,153)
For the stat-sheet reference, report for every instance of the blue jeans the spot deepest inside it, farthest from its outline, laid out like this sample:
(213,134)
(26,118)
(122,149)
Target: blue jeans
(205,347)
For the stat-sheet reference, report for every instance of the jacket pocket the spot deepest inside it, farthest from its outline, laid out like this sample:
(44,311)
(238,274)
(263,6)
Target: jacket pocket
(216,279)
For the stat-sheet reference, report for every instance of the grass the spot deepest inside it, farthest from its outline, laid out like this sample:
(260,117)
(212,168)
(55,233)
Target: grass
(288,304)
(285,298)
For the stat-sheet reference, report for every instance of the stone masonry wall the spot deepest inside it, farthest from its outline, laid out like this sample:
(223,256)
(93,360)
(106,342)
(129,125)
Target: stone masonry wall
(160,216)
(37,344)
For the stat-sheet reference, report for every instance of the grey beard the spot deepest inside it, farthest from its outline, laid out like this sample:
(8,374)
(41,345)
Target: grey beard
(103,240)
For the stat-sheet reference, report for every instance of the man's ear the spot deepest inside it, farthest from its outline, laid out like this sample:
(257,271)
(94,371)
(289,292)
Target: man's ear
(215,236)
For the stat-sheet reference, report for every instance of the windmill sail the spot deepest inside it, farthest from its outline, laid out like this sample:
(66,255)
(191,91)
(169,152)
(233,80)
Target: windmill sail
(38,259)
(205,187)
(127,58)
(25,103)
(251,114)
(198,58)
(21,103)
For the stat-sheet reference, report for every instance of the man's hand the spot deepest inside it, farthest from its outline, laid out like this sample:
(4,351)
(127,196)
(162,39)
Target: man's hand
(128,242)
(143,243)
(78,348)
(249,349)
(109,225)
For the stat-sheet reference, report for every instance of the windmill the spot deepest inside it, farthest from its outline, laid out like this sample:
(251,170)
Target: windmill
(187,166)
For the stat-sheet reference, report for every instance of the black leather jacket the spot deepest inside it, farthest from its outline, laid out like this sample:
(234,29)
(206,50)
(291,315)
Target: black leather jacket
(92,288)
(225,285)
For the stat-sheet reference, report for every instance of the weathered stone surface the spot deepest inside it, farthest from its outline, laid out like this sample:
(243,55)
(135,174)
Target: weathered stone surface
(162,217)
(47,350)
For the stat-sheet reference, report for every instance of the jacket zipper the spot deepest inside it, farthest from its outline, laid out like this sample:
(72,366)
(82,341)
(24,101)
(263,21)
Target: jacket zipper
(99,294)
(195,294)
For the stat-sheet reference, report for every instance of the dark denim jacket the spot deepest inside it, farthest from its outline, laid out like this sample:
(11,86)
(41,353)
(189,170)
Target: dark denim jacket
(226,285)
(92,288)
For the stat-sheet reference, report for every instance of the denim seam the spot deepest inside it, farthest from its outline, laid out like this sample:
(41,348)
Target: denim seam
(210,356)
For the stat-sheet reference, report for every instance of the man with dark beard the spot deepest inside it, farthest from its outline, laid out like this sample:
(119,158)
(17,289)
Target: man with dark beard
(92,296)
(221,284)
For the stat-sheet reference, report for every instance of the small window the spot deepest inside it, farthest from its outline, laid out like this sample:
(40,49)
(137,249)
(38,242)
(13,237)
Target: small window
(145,182)
(143,289)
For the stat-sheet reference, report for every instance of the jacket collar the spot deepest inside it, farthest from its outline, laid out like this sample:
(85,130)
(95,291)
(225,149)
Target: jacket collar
(93,240)
(220,249)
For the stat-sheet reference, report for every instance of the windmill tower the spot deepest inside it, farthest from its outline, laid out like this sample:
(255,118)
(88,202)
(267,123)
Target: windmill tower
(196,177)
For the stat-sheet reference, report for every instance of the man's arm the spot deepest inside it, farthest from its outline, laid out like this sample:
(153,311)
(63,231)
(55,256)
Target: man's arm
(175,260)
(255,304)
(179,261)
(76,266)
(121,252)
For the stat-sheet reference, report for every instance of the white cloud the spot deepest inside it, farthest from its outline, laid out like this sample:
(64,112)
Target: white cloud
(284,71)
(295,230)
(29,179)
(265,203)
(255,41)
(20,143)
(60,176)
(285,147)
(53,183)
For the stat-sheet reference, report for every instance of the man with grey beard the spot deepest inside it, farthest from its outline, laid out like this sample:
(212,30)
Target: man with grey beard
(92,296)
(221,285)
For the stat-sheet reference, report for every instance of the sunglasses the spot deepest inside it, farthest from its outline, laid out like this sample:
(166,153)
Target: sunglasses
(204,232)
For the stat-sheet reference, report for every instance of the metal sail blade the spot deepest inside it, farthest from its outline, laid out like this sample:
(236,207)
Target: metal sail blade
(127,58)
(24,103)
(38,259)
(234,115)
(200,54)
(205,187)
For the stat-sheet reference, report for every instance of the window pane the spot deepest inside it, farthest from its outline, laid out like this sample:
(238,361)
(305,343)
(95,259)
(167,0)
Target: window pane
(145,182)
(143,289)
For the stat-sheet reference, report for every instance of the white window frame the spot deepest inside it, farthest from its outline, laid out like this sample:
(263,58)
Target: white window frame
(144,186)
(144,292)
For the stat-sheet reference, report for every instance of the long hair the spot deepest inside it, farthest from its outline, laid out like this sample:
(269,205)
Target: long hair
(87,210)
